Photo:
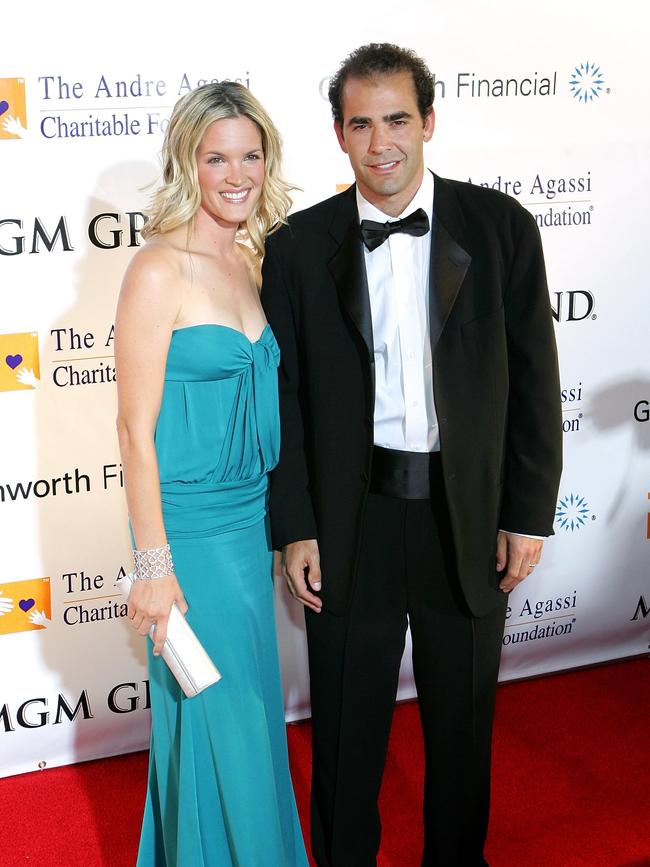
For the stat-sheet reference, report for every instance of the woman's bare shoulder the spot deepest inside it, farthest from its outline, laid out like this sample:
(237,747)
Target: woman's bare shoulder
(157,259)
(155,275)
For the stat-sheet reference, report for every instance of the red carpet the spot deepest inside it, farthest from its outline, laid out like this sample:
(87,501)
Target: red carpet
(571,785)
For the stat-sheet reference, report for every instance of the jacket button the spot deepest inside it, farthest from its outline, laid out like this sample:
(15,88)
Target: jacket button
(451,477)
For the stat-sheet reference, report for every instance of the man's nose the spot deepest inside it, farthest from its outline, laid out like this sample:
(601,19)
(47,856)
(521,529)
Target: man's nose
(379,140)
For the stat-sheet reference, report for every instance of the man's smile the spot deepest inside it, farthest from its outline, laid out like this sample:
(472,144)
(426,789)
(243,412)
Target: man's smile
(384,167)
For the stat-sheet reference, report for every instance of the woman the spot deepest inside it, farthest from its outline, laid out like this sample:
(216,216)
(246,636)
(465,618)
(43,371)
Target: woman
(199,431)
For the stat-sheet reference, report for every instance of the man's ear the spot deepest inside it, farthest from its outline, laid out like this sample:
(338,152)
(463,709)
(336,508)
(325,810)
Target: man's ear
(338,129)
(429,124)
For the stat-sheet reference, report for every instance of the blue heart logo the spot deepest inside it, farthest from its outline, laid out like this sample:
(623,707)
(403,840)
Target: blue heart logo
(13,361)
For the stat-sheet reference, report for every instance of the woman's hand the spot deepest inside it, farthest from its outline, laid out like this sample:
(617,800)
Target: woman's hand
(150,602)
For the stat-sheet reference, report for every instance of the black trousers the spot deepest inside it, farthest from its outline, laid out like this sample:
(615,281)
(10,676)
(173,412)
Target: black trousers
(406,573)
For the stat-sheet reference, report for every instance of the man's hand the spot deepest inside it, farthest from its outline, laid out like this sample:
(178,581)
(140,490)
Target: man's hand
(518,555)
(301,568)
(150,601)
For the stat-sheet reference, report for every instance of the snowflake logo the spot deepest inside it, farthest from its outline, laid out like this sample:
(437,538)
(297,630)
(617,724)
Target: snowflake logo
(572,512)
(586,82)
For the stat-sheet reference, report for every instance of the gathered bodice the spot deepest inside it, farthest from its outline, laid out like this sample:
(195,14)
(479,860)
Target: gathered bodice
(218,430)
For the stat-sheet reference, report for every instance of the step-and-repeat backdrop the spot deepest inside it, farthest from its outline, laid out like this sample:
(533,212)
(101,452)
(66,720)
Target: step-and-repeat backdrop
(545,104)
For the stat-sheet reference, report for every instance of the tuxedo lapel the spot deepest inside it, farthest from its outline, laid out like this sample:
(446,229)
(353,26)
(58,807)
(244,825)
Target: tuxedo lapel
(449,260)
(448,264)
(348,269)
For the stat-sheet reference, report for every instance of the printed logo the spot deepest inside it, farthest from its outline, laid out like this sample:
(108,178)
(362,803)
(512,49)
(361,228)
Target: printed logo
(19,363)
(25,606)
(576,305)
(13,110)
(572,512)
(642,411)
(586,82)
(571,398)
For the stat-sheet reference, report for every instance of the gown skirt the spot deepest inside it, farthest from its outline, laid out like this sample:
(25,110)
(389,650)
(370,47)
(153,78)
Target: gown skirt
(219,790)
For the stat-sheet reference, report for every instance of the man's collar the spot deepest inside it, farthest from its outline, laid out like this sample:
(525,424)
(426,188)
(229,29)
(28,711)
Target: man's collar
(422,199)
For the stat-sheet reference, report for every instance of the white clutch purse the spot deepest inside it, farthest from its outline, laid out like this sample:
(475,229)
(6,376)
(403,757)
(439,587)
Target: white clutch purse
(183,652)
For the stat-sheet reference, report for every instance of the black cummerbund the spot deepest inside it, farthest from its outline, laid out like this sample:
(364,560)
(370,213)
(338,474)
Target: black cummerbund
(407,475)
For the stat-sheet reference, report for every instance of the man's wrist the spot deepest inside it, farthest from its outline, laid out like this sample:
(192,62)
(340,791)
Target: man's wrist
(525,535)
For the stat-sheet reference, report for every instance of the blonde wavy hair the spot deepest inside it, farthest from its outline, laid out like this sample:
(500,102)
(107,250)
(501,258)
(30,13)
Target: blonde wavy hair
(177,199)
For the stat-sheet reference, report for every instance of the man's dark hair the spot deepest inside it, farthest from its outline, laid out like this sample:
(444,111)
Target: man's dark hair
(382,58)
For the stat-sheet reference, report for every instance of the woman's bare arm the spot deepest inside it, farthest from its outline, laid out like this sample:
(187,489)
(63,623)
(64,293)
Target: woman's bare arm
(147,310)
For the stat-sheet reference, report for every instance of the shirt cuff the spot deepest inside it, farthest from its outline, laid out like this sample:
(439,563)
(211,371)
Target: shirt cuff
(525,535)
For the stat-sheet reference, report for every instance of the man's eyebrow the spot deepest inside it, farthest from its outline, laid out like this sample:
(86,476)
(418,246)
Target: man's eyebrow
(357,119)
(398,115)
(387,118)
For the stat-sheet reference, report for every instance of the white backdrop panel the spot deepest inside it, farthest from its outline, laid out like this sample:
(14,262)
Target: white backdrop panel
(73,683)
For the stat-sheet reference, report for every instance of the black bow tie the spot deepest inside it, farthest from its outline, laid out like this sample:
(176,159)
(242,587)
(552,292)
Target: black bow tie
(374,234)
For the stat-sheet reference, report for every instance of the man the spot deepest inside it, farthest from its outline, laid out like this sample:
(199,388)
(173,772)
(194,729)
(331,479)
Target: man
(421,440)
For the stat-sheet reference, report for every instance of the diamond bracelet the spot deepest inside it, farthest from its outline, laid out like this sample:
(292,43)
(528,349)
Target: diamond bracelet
(153,563)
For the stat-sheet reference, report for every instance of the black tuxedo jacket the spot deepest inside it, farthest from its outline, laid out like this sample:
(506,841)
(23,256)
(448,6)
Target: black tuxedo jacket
(496,386)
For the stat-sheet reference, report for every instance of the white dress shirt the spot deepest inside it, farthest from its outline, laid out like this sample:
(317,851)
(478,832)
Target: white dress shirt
(398,283)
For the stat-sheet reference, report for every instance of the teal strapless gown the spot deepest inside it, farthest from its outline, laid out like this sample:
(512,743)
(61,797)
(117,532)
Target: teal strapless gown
(219,790)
